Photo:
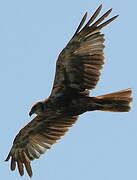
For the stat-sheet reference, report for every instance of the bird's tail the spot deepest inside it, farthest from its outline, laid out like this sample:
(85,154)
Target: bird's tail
(114,102)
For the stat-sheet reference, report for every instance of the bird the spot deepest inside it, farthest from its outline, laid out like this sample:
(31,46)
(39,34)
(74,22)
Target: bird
(77,73)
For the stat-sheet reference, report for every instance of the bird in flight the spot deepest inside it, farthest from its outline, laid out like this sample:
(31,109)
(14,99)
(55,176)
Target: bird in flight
(77,72)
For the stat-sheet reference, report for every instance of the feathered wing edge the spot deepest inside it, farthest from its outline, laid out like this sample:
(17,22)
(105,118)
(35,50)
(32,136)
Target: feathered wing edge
(79,64)
(35,139)
(97,24)
(87,44)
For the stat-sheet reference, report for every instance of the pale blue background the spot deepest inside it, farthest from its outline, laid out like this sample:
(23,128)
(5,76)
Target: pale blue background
(101,146)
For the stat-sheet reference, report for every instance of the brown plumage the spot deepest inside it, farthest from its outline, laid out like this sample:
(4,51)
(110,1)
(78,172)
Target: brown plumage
(77,72)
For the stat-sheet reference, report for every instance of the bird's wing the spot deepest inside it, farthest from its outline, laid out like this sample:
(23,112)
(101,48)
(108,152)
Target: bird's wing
(78,65)
(35,138)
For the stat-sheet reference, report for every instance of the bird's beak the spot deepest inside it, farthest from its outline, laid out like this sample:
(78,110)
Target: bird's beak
(30,113)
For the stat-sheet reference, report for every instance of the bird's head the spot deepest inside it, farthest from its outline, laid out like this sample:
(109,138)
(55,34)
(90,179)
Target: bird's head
(37,108)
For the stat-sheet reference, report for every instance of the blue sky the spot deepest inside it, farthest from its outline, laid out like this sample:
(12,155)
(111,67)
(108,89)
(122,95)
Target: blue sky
(101,145)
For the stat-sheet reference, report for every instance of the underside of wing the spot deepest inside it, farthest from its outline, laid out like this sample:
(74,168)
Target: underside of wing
(78,66)
(35,139)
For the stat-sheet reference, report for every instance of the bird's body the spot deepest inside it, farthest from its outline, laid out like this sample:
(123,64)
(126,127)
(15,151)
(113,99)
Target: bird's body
(77,72)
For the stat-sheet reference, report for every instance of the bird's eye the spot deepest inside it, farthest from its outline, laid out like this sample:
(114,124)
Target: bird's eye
(34,108)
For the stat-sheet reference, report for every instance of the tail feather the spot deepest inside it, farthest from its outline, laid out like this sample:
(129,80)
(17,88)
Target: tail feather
(114,102)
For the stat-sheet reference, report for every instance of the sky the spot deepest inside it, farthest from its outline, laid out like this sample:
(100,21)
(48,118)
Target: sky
(101,145)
